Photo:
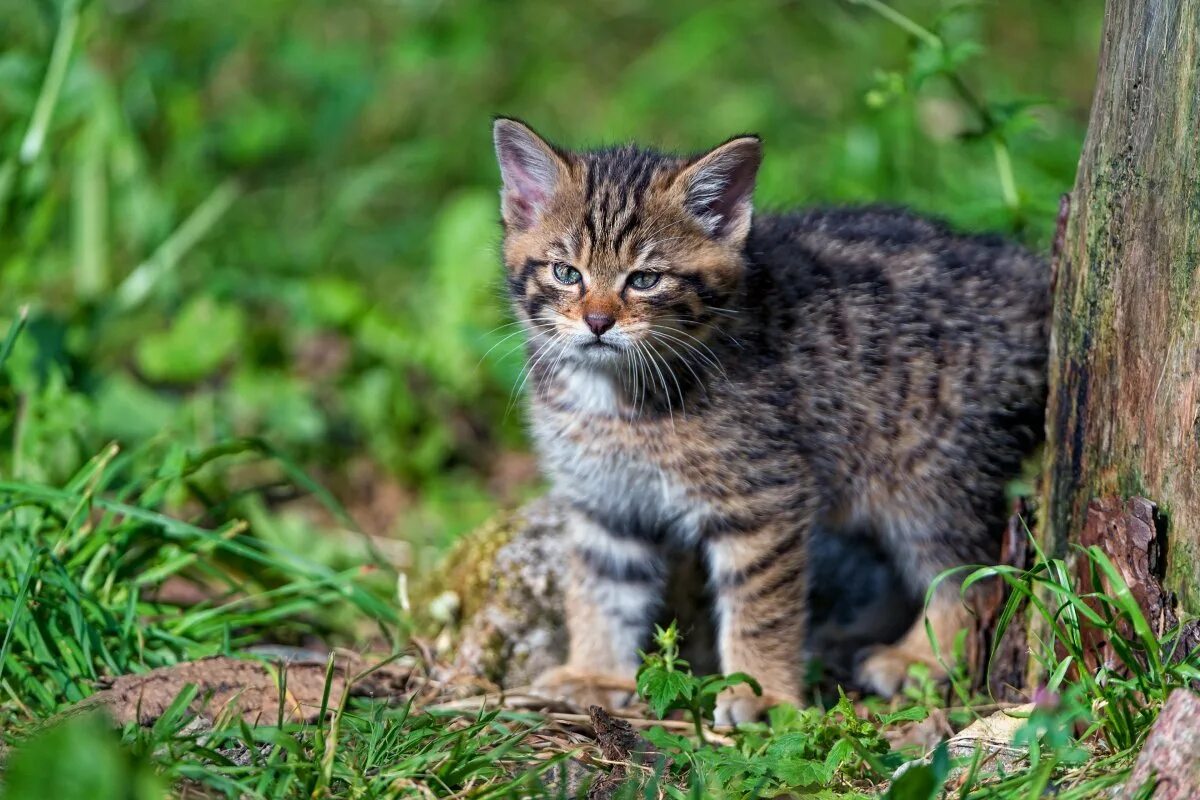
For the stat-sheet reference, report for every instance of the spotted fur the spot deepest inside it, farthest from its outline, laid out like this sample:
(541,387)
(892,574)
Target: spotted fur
(859,368)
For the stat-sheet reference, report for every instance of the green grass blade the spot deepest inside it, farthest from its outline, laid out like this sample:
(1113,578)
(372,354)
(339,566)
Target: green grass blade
(14,331)
(56,72)
(139,283)
(19,606)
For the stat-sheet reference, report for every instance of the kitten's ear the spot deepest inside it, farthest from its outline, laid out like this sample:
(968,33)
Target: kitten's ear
(530,169)
(719,184)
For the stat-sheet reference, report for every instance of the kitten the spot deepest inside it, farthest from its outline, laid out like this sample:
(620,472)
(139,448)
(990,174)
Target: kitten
(706,377)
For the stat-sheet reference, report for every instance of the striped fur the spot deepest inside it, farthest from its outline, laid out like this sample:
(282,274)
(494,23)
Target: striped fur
(861,368)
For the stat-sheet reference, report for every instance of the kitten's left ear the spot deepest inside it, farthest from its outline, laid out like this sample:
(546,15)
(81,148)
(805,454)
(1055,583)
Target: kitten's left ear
(719,184)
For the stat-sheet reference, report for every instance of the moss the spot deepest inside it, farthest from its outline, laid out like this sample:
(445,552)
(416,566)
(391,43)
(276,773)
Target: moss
(1181,574)
(1131,482)
(467,570)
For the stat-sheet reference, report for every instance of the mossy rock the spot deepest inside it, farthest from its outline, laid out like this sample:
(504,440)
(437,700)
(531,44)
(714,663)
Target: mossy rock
(509,576)
(498,594)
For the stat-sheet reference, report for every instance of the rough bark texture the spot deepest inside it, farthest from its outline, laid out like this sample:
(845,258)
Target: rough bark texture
(1130,534)
(1006,673)
(1124,413)
(621,746)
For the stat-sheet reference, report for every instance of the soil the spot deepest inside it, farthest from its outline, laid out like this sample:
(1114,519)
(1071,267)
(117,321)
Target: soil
(250,688)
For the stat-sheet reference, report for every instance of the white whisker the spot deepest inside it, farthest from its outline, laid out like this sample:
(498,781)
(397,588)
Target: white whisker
(539,327)
(683,360)
(707,355)
(529,367)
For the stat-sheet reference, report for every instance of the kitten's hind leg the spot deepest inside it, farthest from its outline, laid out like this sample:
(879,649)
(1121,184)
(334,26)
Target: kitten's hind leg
(616,586)
(922,552)
(883,669)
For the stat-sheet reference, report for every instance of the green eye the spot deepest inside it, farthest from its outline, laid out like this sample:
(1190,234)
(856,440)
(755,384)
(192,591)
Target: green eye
(564,273)
(644,280)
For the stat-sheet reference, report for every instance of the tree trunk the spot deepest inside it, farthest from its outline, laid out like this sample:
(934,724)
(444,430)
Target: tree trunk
(1124,408)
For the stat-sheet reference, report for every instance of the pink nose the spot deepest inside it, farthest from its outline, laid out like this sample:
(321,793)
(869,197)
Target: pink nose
(599,323)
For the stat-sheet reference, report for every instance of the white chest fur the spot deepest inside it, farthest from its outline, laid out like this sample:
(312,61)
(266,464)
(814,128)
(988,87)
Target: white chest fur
(592,393)
(598,459)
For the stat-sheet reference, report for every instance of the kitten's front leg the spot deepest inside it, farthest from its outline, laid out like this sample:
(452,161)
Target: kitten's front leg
(617,583)
(760,580)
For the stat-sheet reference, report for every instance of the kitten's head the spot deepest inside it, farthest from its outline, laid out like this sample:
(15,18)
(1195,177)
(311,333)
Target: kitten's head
(616,250)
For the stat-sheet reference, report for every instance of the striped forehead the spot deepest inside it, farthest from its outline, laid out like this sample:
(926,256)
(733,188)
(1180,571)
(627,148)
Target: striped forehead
(617,183)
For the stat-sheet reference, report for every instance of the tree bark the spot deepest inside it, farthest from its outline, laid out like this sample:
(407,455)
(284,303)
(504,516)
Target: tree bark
(1124,408)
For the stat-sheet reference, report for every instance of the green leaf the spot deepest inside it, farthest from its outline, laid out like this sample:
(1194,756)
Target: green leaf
(718,683)
(925,61)
(802,772)
(841,753)
(922,781)
(913,714)
(792,745)
(79,759)
(14,330)
(201,337)
(959,54)
(667,741)
(664,688)
(332,300)
(177,713)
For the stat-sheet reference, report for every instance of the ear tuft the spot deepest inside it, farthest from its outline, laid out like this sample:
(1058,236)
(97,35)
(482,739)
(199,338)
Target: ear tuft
(530,169)
(718,187)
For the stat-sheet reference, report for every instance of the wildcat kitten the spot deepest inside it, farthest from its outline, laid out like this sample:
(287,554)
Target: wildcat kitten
(705,377)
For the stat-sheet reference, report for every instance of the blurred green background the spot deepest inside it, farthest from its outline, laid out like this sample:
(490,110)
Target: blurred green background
(277,218)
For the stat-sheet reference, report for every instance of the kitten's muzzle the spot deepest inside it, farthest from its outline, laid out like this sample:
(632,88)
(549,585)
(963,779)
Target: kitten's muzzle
(599,323)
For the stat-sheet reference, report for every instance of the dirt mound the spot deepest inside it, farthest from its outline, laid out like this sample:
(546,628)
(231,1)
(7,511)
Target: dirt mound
(259,690)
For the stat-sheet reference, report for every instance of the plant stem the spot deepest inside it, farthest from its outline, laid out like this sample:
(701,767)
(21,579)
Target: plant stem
(988,126)
(902,21)
(56,72)
(138,283)
(1008,181)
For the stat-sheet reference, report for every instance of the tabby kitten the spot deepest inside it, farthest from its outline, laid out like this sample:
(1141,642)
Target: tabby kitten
(706,377)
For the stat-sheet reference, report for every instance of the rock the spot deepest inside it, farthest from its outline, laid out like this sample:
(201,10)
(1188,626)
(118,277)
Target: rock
(510,576)
(1170,759)
(994,736)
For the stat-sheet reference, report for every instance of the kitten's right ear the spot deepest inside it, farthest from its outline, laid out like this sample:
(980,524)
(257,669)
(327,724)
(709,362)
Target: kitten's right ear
(530,169)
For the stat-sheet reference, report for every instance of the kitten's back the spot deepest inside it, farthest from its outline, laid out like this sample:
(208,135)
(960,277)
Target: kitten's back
(918,351)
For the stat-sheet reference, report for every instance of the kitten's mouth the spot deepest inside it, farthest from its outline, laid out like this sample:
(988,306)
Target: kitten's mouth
(600,351)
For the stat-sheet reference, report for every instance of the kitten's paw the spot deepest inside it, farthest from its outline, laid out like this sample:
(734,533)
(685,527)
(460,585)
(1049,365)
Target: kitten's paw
(739,704)
(582,688)
(883,670)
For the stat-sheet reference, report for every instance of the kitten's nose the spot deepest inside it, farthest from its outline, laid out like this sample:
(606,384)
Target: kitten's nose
(599,323)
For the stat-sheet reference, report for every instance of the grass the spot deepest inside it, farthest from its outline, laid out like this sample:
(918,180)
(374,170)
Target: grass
(255,355)
(82,561)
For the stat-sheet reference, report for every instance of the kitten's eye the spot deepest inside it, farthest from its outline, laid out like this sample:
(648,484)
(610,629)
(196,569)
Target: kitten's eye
(644,280)
(565,273)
